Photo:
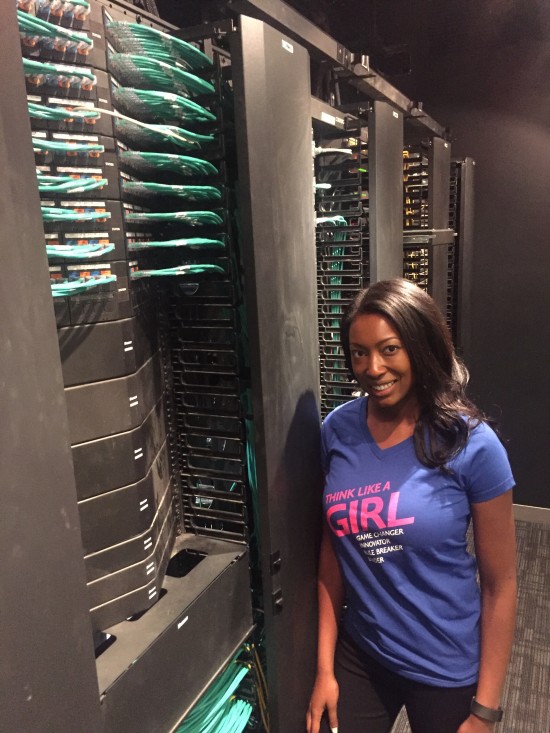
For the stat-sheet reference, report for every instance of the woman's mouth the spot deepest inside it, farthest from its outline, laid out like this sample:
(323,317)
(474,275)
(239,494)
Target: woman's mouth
(380,389)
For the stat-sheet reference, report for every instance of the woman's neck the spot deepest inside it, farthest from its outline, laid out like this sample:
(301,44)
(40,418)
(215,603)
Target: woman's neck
(392,425)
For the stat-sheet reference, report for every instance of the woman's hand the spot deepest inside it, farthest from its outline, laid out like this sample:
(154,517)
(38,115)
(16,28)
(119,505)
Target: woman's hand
(473,724)
(324,695)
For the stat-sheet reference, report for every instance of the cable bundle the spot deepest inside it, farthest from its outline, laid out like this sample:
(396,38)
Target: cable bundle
(178,270)
(42,112)
(54,146)
(32,27)
(160,105)
(149,73)
(51,213)
(193,218)
(68,184)
(218,710)
(190,193)
(139,39)
(182,164)
(192,243)
(62,290)
(57,11)
(145,135)
(85,251)
(40,73)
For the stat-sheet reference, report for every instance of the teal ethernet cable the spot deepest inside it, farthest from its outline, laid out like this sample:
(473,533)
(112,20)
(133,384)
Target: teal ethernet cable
(68,184)
(56,146)
(84,251)
(143,133)
(51,213)
(31,24)
(161,104)
(334,220)
(218,711)
(187,217)
(191,193)
(135,70)
(62,290)
(192,242)
(138,38)
(41,68)
(183,164)
(178,270)
(43,112)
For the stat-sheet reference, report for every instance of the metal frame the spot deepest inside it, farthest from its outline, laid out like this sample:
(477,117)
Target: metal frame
(320,45)
(385,192)
(439,168)
(273,124)
(46,635)
(465,245)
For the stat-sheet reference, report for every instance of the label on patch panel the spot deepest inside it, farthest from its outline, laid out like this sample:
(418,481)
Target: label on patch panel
(86,204)
(75,136)
(79,235)
(90,171)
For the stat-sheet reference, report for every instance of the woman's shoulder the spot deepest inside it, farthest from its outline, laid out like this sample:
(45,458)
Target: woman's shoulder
(345,412)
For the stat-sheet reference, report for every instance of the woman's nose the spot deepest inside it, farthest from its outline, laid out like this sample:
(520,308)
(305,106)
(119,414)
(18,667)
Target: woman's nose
(375,365)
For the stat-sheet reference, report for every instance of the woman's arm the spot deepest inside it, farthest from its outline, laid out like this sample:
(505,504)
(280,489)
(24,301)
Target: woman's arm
(331,599)
(495,545)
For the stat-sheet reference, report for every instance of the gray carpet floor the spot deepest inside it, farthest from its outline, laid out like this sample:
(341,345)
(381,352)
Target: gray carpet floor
(526,698)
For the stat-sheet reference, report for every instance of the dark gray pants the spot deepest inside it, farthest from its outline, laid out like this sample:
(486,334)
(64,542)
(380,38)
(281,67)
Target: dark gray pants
(371,697)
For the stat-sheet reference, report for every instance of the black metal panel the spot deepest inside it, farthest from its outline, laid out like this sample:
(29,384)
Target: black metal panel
(295,26)
(273,122)
(113,406)
(465,256)
(161,663)
(97,351)
(385,192)
(439,175)
(45,635)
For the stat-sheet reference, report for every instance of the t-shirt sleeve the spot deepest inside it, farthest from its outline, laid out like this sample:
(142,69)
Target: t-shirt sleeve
(485,469)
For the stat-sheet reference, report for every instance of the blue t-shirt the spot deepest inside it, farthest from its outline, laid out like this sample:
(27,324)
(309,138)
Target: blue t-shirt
(399,533)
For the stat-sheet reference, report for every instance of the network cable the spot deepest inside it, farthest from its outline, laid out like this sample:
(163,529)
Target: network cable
(57,9)
(40,72)
(165,105)
(182,164)
(193,243)
(36,27)
(68,184)
(51,213)
(62,290)
(43,112)
(140,39)
(84,251)
(178,270)
(142,71)
(193,218)
(191,193)
(218,711)
(68,146)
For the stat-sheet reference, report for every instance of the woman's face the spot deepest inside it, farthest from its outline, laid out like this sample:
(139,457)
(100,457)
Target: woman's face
(381,363)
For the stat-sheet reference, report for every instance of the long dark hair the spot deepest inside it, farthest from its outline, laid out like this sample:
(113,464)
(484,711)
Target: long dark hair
(446,414)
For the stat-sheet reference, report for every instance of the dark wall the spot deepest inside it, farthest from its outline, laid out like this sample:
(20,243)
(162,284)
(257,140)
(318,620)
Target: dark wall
(483,69)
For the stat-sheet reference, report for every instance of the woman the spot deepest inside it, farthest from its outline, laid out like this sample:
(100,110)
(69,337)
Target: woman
(405,469)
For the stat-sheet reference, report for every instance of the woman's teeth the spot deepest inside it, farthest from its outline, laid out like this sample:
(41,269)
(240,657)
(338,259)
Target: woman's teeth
(383,387)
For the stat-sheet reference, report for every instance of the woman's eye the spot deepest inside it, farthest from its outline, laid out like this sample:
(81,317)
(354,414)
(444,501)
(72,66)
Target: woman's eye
(357,353)
(391,349)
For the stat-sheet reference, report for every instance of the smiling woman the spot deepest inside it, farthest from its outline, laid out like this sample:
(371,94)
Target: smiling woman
(406,467)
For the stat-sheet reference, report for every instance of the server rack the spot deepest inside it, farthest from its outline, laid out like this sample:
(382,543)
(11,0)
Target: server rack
(429,242)
(281,297)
